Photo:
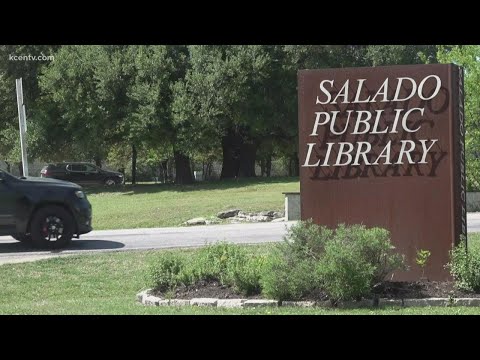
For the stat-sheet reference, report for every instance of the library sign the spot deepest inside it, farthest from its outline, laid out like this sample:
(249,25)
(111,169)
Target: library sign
(384,146)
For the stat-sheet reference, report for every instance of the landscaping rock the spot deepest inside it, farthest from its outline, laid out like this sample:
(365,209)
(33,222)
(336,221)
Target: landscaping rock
(143,294)
(228,213)
(355,304)
(437,302)
(238,219)
(324,304)
(179,302)
(415,302)
(467,302)
(204,302)
(210,222)
(196,221)
(230,303)
(390,302)
(267,213)
(151,300)
(259,218)
(260,303)
(303,304)
(278,220)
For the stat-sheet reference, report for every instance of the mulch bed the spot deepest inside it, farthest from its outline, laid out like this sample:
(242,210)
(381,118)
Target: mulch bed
(388,290)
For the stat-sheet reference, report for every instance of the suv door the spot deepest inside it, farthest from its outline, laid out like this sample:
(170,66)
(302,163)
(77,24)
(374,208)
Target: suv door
(92,175)
(76,173)
(7,206)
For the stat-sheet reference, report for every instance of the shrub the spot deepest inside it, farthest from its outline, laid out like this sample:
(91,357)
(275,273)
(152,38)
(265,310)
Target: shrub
(306,240)
(245,273)
(212,262)
(355,259)
(167,271)
(465,266)
(287,277)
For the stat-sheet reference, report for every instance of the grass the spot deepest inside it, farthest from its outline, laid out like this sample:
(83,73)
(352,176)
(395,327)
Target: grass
(473,239)
(160,205)
(108,283)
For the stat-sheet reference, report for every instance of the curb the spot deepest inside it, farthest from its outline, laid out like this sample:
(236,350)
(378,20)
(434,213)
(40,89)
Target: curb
(147,299)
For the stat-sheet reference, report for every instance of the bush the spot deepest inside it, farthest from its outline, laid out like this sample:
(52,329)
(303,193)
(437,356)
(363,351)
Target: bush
(287,277)
(355,259)
(167,271)
(465,267)
(245,273)
(212,262)
(306,240)
(230,265)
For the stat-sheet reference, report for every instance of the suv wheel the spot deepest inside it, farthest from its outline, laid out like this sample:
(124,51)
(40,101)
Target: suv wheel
(110,182)
(52,227)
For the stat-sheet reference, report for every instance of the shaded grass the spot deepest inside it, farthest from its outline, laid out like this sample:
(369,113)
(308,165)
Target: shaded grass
(160,205)
(108,284)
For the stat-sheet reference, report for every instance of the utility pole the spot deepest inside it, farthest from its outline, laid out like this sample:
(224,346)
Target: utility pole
(22,122)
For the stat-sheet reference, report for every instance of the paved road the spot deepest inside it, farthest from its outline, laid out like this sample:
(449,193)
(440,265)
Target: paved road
(162,238)
(143,239)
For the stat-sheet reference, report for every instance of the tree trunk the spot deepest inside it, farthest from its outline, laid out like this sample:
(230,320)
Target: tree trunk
(164,170)
(262,167)
(268,165)
(9,167)
(134,164)
(248,154)
(231,155)
(183,170)
(98,161)
(295,171)
(209,170)
(20,168)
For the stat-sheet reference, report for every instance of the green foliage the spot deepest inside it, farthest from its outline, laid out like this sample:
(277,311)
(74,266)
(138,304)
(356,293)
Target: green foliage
(287,277)
(422,259)
(468,57)
(356,259)
(306,240)
(214,261)
(230,264)
(464,266)
(343,272)
(346,263)
(244,273)
(167,271)
(400,54)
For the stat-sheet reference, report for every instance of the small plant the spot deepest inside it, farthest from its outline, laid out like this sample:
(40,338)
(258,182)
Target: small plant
(422,260)
(465,266)
(167,272)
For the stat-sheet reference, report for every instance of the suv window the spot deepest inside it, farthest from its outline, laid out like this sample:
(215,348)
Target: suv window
(90,168)
(77,167)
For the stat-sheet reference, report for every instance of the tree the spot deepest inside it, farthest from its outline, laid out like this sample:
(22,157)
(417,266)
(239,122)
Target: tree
(468,56)
(28,70)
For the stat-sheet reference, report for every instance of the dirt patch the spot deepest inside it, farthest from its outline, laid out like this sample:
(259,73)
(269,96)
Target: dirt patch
(388,290)
(421,290)
(207,289)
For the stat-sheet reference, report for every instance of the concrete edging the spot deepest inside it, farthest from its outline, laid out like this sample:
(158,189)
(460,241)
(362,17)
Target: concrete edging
(147,299)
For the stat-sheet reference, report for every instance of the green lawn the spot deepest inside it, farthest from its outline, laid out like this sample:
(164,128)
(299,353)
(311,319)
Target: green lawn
(159,205)
(473,238)
(108,283)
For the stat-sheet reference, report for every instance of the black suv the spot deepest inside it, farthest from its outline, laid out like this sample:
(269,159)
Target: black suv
(82,173)
(45,212)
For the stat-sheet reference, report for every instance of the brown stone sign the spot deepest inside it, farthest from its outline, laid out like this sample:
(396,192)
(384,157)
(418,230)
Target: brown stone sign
(384,146)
